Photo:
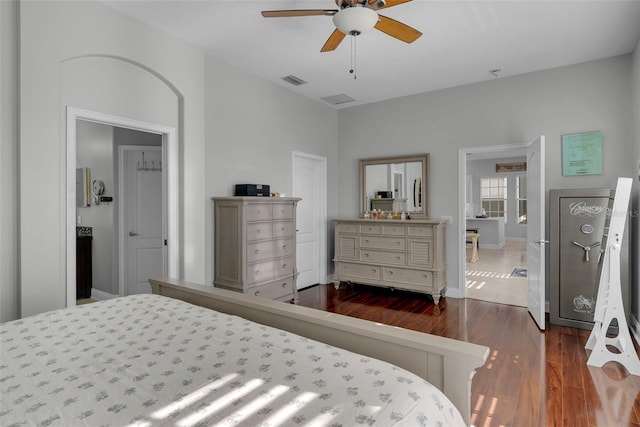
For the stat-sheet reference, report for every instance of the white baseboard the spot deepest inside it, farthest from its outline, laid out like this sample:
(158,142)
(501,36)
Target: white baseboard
(101,295)
(452,292)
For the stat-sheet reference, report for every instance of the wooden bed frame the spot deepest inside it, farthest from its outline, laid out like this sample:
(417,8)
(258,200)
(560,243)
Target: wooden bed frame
(446,363)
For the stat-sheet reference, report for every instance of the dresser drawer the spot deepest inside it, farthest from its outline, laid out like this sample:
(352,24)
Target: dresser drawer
(257,212)
(269,270)
(376,242)
(412,277)
(259,231)
(379,257)
(394,230)
(259,251)
(419,231)
(282,211)
(370,228)
(359,271)
(347,228)
(283,229)
(273,290)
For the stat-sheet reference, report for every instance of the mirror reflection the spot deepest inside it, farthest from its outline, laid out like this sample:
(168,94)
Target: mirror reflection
(394,184)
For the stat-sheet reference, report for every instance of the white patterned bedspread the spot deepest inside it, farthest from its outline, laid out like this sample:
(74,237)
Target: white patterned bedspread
(148,360)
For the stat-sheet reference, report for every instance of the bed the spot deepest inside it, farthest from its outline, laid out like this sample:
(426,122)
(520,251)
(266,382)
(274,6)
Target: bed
(191,355)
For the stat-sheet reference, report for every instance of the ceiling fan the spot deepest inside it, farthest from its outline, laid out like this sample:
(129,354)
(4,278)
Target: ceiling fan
(353,18)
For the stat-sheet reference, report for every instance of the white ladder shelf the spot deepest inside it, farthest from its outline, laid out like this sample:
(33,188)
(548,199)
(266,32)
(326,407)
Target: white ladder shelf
(609,304)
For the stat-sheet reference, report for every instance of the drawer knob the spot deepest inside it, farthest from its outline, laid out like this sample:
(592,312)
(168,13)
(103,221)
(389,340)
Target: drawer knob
(284,285)
(366,241)
(390,272)
(366,255)
(258,231)
(398,258)
(284,265)
(257,293)
(257,251)
(284,246)
(257,272)
(373,270)
(369,229)
(397,243)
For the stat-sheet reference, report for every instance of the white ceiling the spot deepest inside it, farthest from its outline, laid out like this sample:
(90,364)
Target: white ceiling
(462,41)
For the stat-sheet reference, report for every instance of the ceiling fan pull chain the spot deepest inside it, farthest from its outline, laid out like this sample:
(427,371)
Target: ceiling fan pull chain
(353,57)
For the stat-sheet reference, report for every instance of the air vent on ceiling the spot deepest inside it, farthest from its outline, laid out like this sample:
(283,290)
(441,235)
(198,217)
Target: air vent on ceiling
(337,99)
(296,81)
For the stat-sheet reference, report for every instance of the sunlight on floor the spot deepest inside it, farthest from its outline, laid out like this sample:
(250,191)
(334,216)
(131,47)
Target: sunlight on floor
(491,279)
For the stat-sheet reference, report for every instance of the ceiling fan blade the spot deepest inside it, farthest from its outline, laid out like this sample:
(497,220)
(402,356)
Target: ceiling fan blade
(387,3)
(333,41)
(397,29)
(301,12)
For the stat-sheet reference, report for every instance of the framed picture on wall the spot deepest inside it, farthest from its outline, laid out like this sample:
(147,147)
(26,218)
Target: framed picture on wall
(582,153)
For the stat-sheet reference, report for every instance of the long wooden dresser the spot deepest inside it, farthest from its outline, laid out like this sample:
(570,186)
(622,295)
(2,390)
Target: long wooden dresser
(401,254)
(255,246)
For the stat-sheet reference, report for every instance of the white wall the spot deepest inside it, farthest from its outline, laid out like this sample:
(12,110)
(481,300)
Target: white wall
(252,127)
(9,216)
(583,97)
(487,168)
(120,67)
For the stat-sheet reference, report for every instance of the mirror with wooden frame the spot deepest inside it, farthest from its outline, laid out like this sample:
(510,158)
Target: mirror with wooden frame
(395,184)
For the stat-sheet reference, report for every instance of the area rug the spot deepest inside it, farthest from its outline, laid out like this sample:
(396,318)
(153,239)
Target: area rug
(519,272)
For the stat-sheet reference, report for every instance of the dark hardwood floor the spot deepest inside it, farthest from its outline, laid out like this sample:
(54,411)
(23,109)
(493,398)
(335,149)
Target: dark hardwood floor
(531,378)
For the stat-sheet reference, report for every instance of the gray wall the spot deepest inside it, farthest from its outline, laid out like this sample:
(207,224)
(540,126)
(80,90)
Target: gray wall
(252,127)
(111,70)
(583,97)
(94,151)
(9,151)
(249,129)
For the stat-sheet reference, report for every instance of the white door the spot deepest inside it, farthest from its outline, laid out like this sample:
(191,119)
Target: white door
(309,183)
(536,248)
(143,219)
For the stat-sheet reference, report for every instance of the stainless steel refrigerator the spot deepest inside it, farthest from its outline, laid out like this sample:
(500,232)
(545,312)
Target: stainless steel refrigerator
(579,221)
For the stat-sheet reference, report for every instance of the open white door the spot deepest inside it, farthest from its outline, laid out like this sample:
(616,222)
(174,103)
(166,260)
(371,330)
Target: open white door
(536,242)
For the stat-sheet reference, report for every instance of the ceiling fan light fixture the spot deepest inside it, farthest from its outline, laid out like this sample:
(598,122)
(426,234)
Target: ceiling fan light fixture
(355,20)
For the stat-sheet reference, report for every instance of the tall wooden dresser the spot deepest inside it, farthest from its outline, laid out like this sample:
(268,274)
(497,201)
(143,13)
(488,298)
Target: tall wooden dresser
(401,254)
(255,246)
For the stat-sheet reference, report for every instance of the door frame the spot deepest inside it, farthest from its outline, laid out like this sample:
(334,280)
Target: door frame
(462,200)
(122,231)
(170,156)
(322,231)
